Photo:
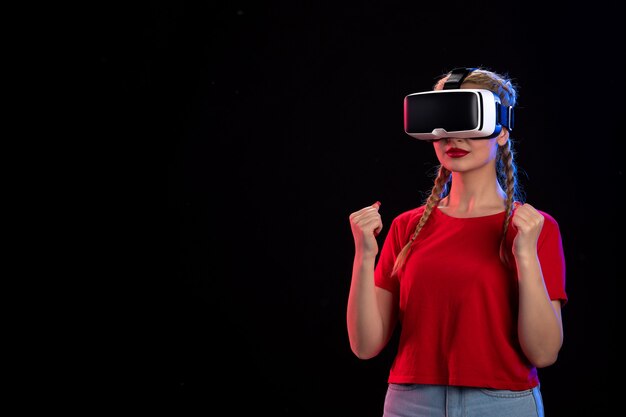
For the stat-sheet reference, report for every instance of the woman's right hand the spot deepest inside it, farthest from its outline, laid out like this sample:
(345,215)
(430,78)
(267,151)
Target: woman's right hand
(366,224)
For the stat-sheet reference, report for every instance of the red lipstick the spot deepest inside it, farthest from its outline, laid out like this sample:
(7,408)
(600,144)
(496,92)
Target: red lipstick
(456,153)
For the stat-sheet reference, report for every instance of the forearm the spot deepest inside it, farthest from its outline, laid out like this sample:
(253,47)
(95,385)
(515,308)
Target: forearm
(365,325)
(540,328)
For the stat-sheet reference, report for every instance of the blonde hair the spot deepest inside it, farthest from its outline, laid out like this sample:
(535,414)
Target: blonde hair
(506,168)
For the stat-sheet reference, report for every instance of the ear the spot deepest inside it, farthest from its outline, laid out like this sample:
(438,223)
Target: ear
(503,136)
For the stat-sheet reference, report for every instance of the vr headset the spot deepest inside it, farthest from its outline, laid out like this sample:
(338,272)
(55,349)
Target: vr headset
(456,112)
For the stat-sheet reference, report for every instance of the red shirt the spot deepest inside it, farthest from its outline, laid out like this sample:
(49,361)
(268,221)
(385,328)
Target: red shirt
(458,302)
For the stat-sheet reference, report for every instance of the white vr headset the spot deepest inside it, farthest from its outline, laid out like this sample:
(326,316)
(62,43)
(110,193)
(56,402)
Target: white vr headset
(456,112)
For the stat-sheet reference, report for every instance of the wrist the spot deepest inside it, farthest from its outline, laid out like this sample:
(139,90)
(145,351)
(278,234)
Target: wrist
(364,258)
(526,260)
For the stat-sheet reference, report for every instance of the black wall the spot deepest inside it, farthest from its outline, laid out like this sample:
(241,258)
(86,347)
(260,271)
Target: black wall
(251,130)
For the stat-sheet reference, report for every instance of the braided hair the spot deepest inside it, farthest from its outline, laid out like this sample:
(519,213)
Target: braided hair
(506,169)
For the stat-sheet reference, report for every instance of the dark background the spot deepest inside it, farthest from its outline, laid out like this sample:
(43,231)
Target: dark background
(245,133)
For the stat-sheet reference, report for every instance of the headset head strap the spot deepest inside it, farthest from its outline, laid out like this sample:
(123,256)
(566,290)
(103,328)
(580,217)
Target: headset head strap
(457,75)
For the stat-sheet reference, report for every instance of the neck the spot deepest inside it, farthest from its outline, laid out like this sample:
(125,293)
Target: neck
(474,191)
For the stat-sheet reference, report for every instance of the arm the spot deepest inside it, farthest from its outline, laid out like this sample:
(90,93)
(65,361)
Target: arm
(540,327)
(370,314)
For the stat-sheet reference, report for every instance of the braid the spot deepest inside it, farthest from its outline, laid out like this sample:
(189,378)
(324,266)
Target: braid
(502,87)
(435,196)
(508,172)
(510,182)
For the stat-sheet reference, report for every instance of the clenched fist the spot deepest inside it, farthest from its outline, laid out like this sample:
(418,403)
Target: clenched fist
(366,225)
(528,222)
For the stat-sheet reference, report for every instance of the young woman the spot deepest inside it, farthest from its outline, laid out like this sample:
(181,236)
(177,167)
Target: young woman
(474,277)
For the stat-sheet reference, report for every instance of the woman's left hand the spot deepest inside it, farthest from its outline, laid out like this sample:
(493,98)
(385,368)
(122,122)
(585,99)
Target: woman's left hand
(528,222)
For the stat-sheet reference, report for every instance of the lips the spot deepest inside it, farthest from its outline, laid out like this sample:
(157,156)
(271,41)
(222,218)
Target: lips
(456,153)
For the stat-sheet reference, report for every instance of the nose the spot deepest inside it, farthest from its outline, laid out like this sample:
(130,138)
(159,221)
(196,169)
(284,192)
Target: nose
(454,140)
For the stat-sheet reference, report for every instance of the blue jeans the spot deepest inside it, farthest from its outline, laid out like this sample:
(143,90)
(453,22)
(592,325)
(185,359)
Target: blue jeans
(416,400)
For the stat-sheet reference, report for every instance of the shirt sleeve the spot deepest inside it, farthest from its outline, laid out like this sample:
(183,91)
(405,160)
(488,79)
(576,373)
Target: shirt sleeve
(552,259)
(387,257)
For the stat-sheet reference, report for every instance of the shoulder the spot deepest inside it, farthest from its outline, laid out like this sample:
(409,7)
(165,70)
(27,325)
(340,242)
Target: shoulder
(549,220)
(409,216)
(406,221)
(550,239)
(550,229)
